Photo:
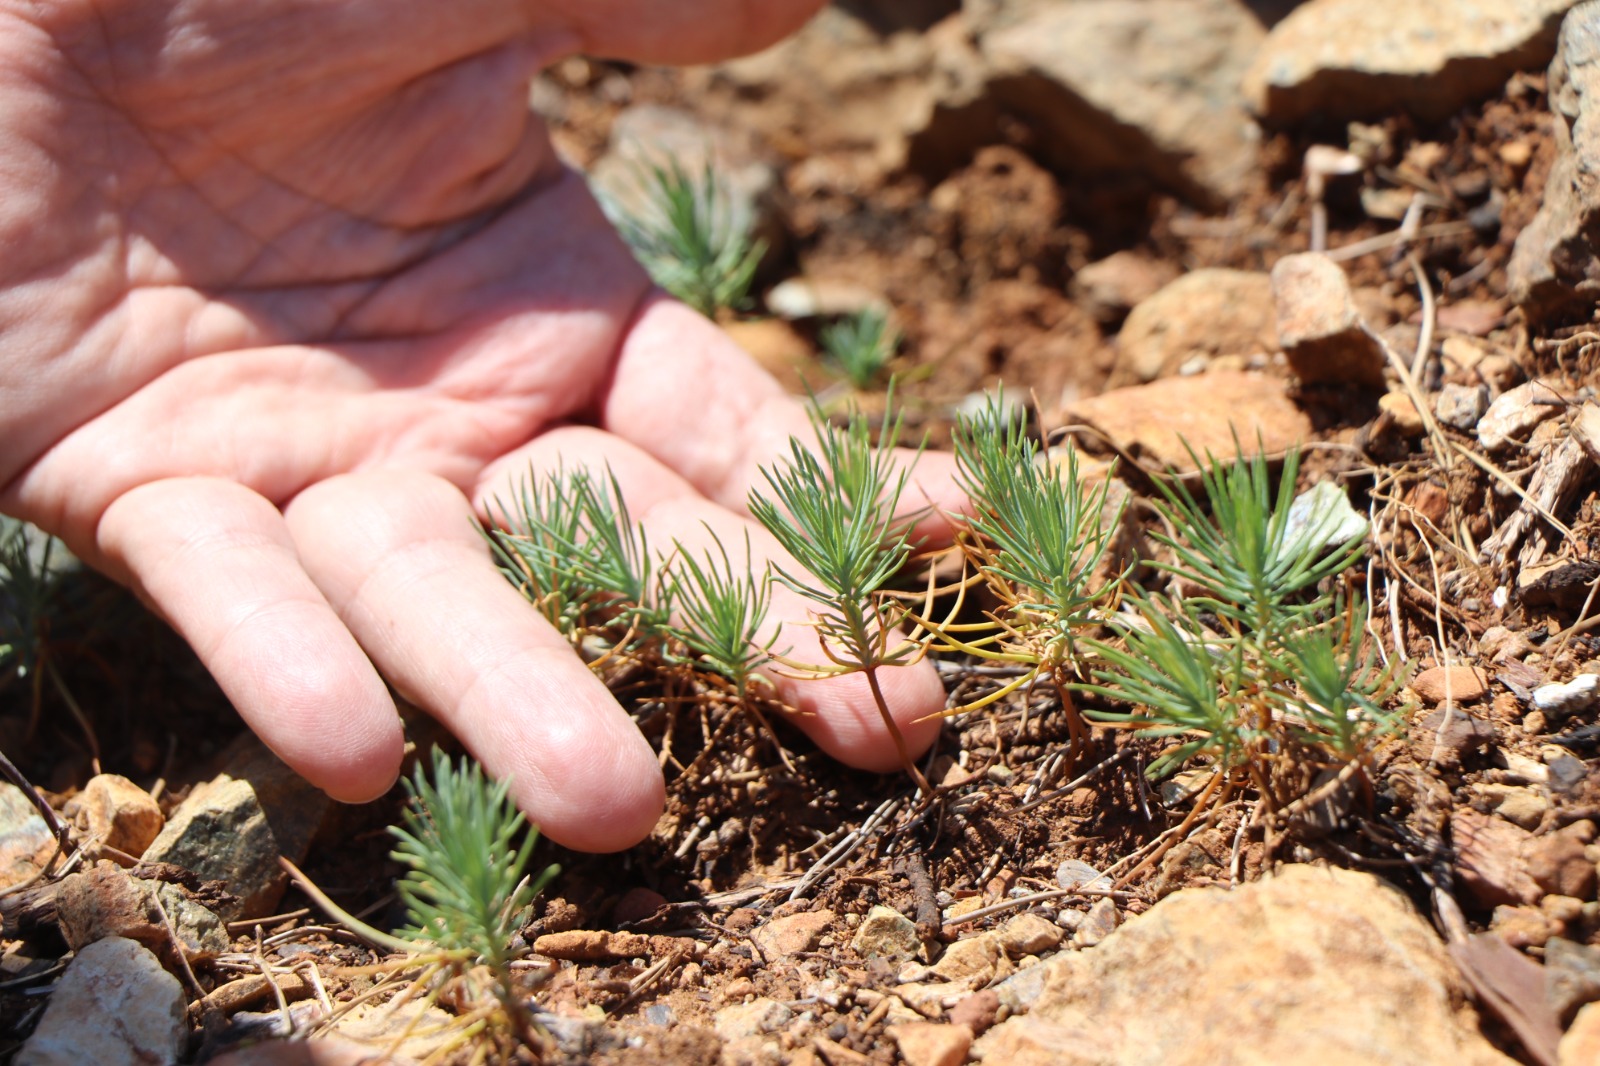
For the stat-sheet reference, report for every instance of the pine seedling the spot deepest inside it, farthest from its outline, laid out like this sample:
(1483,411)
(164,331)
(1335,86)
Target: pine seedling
(1048,531)
(1261,667)
(573,549)
(1038,536)
(465,889)
(858,347)
(834,509)
(1255,569)
(690,241)
(1339,691)
(535,544)
(723,611)
(1183,687)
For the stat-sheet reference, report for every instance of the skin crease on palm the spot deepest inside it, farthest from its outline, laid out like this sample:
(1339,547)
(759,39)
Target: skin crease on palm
(289,286)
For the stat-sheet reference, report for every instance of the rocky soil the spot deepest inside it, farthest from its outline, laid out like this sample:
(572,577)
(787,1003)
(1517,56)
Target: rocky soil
(1363,227)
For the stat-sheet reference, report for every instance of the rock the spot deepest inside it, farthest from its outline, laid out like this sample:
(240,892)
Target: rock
(1519,805)
(1445,736)
(650,135)
(793,934)
(1431,57)
(26,844)
(1150,86)
(1555,254)
(1571,976)
(1523,927)
(1399,415)
(1566,773)
(414,1030)
(1111,287)
(1028,934)
(1580,1044)
(1202,315)
(972,960)
(1321,520)
(233,829)
(106,902)
(1101,921)
(1557,864)
(856,95)
(1306,967)
(811,297)
(636,905)
(1516,411)
(1559,700)
(1319,329)
(1460,406)
(755,1018)
(887,933)
(1491,858)
(1211,412)
(931,1044)
(977,1012)
(594,945)
(1459,684)
(114,1005)
(116,813)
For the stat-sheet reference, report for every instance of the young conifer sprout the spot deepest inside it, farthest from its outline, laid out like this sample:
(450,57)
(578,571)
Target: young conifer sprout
(689,239)
(535,541)
(858,347)
(834,509)
(570,545)
(466,848)
(1038,536)
(1261,670)
(723,609)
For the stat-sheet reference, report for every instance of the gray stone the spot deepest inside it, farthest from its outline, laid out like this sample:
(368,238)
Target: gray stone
(1101,921)
(886,933)
(233,828)
(1460,406)
(1556,262)
(1347,59)
(115,1005)
(1319,328)
(106,902)
(1315,965)
(1571,976)
(1144,85)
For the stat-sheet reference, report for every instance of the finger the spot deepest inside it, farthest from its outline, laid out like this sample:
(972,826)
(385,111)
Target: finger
(686,394)
(839,713)
(218,562)
(398,557)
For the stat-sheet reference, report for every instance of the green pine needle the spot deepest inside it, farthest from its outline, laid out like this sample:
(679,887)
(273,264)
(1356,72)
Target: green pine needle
(689,240)
(465,888)
(859,346)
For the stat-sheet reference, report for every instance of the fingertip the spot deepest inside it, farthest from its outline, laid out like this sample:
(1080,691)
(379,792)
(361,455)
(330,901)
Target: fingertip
(594,790)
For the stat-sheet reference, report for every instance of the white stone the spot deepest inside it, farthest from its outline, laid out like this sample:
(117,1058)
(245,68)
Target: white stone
(1563,700)
(115,1005)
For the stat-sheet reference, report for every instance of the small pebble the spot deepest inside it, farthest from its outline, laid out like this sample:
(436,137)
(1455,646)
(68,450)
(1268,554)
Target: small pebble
(1563,700)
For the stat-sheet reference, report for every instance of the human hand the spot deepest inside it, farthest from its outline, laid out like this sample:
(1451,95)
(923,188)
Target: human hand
(290,286)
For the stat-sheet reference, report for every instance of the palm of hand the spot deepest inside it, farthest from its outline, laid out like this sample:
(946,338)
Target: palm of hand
(297,280)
